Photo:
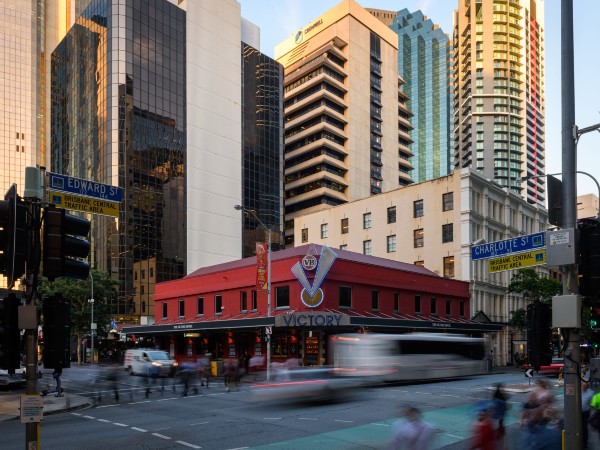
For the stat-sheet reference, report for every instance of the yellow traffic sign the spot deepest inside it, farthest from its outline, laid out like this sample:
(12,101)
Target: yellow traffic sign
(517,261)
(85,204)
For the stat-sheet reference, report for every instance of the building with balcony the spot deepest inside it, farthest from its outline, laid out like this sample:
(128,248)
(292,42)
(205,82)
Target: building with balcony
(346,121)
(499,93)
(435,224)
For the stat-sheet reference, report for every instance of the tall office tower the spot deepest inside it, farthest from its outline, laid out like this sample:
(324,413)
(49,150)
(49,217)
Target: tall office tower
(262,147)
(346,122)
(119,117)
(499,92)
(424,57)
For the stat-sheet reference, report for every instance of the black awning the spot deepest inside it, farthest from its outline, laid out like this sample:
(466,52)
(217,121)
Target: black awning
(425,324)
(199,326)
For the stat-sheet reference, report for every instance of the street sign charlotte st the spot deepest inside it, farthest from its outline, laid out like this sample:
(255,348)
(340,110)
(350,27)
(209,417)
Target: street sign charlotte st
(86,188)
(509,246)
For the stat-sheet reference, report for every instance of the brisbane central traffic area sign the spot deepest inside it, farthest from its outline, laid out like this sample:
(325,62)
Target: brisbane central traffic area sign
(517,261)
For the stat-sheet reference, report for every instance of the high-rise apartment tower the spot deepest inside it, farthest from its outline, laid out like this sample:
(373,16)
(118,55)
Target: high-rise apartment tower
(499,92)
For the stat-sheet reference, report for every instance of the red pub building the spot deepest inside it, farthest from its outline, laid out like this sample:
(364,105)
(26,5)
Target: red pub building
(316,292)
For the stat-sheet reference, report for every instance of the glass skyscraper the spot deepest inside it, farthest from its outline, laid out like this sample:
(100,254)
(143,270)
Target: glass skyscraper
(262,147)
(424,62)
(119,117)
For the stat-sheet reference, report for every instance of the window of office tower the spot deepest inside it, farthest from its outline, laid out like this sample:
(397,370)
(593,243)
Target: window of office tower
(132,70)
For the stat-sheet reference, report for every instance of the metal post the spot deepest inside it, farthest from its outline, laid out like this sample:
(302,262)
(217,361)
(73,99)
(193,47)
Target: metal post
(269,303)
(92,327)
(572,387)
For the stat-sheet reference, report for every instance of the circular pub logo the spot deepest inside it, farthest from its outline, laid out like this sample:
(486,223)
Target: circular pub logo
(309,262)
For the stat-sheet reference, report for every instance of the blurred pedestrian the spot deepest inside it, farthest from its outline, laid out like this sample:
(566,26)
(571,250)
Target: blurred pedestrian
(484,432)
(204,370)
(188,372)
(499,407)
(594,419)
(411,432)
(586,398)
(540,419)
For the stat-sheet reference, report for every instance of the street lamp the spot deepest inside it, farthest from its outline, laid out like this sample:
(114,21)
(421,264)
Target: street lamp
(251,211)
(92,324)
(557,174)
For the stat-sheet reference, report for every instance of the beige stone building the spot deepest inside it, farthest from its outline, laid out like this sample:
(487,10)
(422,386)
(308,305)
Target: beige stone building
(587,206)
(346,121)
(435,224)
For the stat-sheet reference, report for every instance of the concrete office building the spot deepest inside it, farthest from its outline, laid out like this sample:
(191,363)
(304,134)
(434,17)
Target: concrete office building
(499,92)
(345,114)
(587,206)
(435,224)
(425,63)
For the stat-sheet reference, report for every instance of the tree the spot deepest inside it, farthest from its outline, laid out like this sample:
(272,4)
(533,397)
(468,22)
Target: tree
(518,319)
(533,287)
(78,292)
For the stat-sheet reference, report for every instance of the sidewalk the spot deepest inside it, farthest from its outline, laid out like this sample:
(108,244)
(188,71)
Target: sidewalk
(10,404)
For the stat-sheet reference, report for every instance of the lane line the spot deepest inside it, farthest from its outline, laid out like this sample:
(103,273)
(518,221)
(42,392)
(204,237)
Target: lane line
(120,424)
(307,418)
(453,435)
(139,429)
(88,417)
(104,420)
(345,421)
(76,414)
(137,403)
(165,399)
(198,423)
(381,424)
(162,436)
(424,393)
(106,406)
(187,444)
(238,448)
(272,418)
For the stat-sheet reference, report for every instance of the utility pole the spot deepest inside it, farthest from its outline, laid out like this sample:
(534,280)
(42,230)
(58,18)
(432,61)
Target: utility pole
(572,386)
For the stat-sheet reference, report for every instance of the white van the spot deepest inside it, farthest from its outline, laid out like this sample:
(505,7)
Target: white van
(145,361)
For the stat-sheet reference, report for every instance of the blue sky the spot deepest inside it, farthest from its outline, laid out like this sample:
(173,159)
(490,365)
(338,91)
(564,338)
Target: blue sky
(279,19)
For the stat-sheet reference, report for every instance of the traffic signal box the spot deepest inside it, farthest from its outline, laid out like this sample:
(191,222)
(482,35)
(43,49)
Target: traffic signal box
(57,332)
(65,244)
(13,236)
(589,263)
(539,334)
(10,348)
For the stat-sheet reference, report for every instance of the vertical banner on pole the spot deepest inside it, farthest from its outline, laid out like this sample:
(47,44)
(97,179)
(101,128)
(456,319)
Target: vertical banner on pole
(261,264)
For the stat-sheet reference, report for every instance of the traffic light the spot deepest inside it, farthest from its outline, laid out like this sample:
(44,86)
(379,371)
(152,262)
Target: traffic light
(539,334)
(13,236)
(589,264)
(65,244)
(10,347)
(57,332)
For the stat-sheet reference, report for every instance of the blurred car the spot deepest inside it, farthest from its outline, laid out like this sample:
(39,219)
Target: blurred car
(554,368)
(12,381)
(306,384)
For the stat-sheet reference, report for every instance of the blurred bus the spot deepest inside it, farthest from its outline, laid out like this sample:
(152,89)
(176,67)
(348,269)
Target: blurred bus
(406,357)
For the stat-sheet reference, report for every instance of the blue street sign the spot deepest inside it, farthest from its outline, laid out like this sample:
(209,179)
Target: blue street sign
(509,246)
(86,188)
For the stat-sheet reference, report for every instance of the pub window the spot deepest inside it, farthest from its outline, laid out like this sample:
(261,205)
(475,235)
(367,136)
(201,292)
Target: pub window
(448,201)
(447,232)
(367,221)
(218,303)
(418,304)
(254,300)
(391,214)
(418,208)
(374,299)
(164,310)
(181,308)
(396,301)
(448,307)
(200,306)
(462,308)
(243,301)
(345,226)
(418,238)
(345,296)
(282,297)
(304,234)
(449,266)
(433,305)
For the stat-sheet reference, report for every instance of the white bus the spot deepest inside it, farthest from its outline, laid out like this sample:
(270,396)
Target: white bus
(406,357)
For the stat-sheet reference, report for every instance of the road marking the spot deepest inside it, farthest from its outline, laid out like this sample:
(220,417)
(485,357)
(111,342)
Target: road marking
(272,418)
(453,435)
(381,424)
(104,420)
(76,414)
(190,445)
(137,403)
(165,399)
(307,418)
(120,424)
(448,395)
(345,421)
(88,417)
(106,406)
(424,393)
(162,436)
(199,423)
(139,429)
(238,448)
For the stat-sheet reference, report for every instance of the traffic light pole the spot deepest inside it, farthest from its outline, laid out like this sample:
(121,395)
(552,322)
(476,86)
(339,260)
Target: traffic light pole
(572,381)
